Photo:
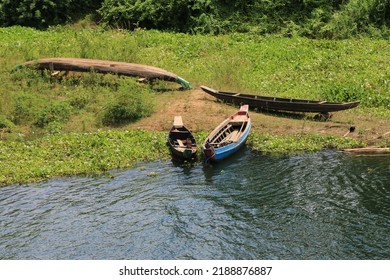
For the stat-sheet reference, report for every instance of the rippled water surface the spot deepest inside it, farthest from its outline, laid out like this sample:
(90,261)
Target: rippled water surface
(325,205)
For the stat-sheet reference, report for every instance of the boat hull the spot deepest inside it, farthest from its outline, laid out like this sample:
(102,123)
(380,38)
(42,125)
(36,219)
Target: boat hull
(217,151)
(220,154)
(186,154)
(106,66)
(266,103)
(181,141)
(378,151)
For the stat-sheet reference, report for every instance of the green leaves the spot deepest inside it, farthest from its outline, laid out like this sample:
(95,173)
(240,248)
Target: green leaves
(43,13)
(367,95)
(295,144)
(130,104)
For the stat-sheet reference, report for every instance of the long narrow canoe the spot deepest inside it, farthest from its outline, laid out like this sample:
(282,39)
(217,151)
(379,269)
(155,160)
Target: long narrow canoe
(369,151)
(228,137)
(106,66)
(181,140)
(266,103)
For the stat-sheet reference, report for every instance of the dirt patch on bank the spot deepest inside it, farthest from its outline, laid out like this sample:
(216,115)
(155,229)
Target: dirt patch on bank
(202,112)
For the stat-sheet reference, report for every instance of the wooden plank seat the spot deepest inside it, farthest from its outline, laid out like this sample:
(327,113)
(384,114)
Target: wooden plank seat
(180,142)
(232,137)
(185,143)
(215,138)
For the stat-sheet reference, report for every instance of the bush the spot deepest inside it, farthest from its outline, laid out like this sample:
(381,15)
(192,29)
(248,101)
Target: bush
(5,123)
(349,93)
(43,13)
(57,112)
(177,15)
(25,107)
(313,18)
(358,17)
(131,104)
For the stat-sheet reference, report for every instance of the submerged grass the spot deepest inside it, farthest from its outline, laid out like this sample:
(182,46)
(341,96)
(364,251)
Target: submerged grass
(302,143)
(99,152)
(78,153)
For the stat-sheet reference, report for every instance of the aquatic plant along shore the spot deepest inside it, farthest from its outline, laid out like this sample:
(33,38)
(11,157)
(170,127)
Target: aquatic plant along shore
(98,153)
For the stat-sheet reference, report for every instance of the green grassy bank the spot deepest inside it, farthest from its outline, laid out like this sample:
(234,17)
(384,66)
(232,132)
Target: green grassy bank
(341,70)
(79,124)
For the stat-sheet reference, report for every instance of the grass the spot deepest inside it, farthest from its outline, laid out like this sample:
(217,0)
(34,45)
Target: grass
(294,67)
(302,143)
(77,124)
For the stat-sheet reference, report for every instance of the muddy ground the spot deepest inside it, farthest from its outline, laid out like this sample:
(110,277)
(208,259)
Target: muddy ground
(202,112)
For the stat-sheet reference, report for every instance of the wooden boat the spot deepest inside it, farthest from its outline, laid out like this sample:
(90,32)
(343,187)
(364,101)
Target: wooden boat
(374,151)
(228,137)
(106,66)
(181,141)
(266,103)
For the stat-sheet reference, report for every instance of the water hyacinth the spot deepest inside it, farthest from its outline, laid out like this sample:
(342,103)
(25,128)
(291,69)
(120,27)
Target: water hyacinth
(70,154)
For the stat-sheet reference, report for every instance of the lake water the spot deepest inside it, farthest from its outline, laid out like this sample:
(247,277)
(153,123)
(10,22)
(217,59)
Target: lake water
(325,205)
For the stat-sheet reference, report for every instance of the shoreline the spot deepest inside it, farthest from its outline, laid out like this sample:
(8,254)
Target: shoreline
(192,105)
(99,152)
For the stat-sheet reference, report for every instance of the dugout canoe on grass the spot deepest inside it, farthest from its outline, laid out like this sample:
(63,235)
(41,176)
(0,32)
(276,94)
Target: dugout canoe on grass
(107,66)
(267,103)
(373,151)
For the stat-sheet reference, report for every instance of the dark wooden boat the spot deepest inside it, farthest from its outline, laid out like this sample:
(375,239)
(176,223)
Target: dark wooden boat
(107,66)
(266,103)
(228,137)
(181,141)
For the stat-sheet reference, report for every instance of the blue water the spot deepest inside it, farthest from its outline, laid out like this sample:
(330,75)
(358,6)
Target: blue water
(325,205)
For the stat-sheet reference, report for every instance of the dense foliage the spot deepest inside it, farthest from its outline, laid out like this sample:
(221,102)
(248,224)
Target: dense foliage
(312,18)
(43,13)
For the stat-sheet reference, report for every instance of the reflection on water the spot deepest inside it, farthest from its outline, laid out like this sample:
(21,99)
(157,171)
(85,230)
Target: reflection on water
(325,205)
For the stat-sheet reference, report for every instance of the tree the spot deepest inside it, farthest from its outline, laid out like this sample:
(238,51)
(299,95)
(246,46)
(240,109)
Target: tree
(43,13)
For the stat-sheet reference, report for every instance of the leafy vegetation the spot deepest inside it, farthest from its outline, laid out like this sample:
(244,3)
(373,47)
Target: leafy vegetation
(78,123)
(294,144)
(311,18)
(369,97)
(43,13)
(99,152)
(70,154)
(129,105)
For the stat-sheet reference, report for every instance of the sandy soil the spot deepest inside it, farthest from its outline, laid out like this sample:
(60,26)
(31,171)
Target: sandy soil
(202,112)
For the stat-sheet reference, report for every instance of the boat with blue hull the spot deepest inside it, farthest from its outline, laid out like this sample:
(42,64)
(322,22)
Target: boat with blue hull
(228,137)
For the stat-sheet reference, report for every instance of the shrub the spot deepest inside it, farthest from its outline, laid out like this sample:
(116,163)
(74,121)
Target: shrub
(131,104)
(357,17)
(25,107)
(178,15)
(5,123)
(57,112)
(43,13)
(349,93)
